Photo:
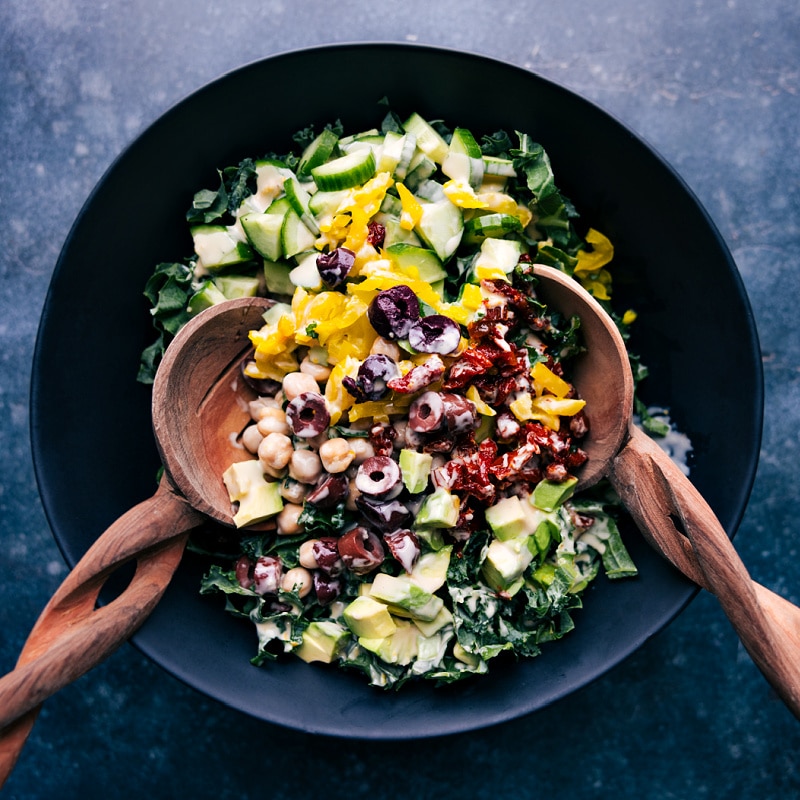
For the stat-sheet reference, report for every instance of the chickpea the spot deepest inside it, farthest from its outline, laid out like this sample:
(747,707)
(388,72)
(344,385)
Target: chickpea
(306,554)
(352,495)
(305,466)
(362,449)
(256,407)
(251,438)
(293,491)
(297,579)
(295,383)
(336,454)
(319,372)
(275,451)
(272,420)
(384,347)
(288,520)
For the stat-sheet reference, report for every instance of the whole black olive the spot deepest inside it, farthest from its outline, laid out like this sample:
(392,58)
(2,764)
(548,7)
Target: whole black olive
(435,334)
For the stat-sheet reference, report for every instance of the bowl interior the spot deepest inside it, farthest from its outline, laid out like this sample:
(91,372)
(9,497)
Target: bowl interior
(93,449)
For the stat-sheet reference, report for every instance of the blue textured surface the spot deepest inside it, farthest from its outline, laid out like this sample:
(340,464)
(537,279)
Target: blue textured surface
(714,86)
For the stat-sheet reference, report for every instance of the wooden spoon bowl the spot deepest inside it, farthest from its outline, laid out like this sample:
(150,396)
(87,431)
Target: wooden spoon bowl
(671,514)
(199,407)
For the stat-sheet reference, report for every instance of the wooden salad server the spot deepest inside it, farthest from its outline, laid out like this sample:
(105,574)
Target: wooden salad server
(671,514)
(198,392)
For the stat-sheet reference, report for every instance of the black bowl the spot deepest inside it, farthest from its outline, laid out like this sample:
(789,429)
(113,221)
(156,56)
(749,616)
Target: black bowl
(92,442)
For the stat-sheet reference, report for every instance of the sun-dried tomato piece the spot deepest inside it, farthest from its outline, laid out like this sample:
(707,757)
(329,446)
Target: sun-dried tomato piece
(376,233)
(418,377)
(382,437)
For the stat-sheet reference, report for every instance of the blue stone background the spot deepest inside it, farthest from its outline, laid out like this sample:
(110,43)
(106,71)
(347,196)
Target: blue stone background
(714,86)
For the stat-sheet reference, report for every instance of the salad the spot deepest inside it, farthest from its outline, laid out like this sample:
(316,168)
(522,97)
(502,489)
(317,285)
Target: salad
(405,499)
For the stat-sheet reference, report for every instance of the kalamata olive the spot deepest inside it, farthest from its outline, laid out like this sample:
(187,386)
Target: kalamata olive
(460,414)
(267,574)
(361,550)
(404,547)
(377,476)
(435,334)
(371,381)
(384,515)
(334,267)
(326,587)
(329,491)
(393,311)
(308,415)
(244,572)
(426,413)
(326,554)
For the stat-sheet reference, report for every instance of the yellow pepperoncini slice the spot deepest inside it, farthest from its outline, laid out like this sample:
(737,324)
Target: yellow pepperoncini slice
(411,212)
(337,398)
(505,204)
(545,378)
(600,255)
(461,194)
(480,406)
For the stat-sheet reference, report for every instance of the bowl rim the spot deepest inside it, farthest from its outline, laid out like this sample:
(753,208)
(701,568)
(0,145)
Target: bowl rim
(38,391)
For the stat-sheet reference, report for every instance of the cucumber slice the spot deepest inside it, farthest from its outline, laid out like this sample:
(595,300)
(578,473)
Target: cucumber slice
(318,152)
(217,247)
(395,233)
(428,140)
(496,226)
(299,199)
(428,264)
(441,227)
(464,161)
(295,236)
(345,172)
(276,276)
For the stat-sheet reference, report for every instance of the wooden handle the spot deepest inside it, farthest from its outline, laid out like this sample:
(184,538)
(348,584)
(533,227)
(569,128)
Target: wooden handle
(678,523)
(72,635)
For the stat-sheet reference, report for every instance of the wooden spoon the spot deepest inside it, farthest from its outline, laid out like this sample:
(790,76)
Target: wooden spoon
(669,511)
(199,406)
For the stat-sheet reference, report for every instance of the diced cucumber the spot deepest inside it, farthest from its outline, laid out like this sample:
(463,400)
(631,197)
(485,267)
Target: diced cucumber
(372,141)
(276,276)
(217,247)
(306,274)
(464,161)
(426,261)
(323,204)
(318,152)
(501,167)
(395,232)
(295,236)
(270,175)
(420,169)
(431,190)
(396,154)
(263,231)
(499,253)
(441,227)
(233,286)
(428,139)
(206,296)
(299,199)
(348,140)
(346,171)
(491,225)
(392,205)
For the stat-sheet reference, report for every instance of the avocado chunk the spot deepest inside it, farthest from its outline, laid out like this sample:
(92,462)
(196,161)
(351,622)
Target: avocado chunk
(505,562)
(366,617)
(322,640)
(549,495)
(507,518)
(257,497)
(430,571)
(405,598)
(443,618)
(415,468)
(439,510)
(400,647)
